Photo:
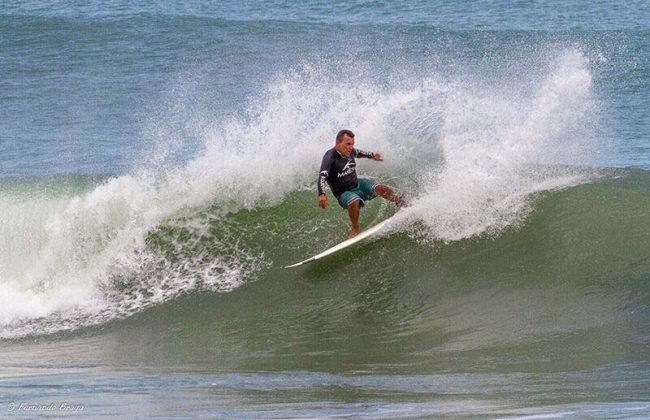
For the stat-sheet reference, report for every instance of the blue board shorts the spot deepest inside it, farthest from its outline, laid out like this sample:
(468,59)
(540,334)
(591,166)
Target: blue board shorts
(364,190)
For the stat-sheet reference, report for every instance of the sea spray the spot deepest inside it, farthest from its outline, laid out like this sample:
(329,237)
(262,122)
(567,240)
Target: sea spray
(498,151)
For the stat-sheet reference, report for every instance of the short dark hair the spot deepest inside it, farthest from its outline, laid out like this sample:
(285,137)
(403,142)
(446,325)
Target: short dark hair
(342,133)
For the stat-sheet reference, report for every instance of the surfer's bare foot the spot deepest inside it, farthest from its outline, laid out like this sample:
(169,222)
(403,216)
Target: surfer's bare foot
(353,233)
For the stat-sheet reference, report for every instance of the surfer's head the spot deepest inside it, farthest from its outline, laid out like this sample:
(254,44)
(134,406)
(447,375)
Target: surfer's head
(344,142)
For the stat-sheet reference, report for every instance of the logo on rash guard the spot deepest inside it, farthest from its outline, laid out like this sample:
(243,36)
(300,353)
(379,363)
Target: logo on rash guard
(322,178)
(347,169)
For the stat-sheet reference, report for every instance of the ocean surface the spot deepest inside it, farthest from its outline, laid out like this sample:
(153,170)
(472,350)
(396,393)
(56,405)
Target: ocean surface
(158,168)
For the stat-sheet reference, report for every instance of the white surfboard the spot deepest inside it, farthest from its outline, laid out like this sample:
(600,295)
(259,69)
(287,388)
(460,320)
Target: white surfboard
(360,237)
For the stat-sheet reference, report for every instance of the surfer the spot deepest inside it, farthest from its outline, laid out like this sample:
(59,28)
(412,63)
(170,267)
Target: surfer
(338,170)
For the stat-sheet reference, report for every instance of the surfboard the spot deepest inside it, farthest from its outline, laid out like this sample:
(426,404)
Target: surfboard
(336,248)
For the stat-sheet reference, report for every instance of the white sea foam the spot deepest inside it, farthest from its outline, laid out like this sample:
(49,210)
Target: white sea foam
(84,259)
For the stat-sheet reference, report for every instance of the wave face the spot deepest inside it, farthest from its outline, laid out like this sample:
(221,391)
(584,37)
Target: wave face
(566,287)
(475,158)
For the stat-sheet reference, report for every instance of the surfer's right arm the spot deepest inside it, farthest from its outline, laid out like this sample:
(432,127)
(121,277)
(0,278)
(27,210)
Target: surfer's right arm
(322,180)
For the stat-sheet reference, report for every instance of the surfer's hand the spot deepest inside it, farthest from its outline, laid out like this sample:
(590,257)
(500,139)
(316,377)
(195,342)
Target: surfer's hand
(322,201)
(378,156)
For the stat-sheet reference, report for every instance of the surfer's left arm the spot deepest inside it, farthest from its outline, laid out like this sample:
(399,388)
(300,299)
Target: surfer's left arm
(370,155)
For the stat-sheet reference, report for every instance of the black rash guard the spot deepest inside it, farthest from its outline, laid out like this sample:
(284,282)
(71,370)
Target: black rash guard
(339,171)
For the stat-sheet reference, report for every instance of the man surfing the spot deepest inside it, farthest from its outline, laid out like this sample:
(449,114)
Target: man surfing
(338,170)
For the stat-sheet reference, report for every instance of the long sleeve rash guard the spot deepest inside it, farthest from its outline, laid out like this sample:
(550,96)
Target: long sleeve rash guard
(339,171)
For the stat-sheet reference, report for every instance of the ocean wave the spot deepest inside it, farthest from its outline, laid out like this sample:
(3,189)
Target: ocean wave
(473,162)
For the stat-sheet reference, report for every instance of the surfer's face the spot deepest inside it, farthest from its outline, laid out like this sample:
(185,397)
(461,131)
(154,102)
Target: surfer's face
(345,146)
